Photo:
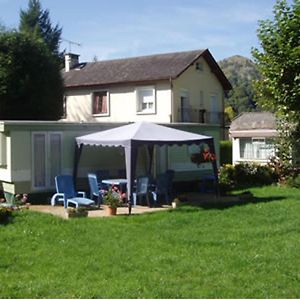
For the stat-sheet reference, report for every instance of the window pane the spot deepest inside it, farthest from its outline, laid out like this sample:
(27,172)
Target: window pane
(39,160)
(100,105)
(145,98)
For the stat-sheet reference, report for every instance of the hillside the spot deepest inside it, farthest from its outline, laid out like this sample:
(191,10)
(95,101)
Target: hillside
(241,72)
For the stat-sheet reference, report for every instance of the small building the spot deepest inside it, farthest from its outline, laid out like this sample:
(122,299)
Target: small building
(253,135)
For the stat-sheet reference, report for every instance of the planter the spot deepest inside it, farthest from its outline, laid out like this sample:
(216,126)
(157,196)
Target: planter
(111,211)
(76,214)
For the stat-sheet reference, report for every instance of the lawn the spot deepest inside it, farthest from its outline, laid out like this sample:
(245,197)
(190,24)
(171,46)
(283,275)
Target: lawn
(243,251)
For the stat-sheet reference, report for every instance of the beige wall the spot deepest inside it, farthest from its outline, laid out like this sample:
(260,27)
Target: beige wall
(193,82)
(122,105)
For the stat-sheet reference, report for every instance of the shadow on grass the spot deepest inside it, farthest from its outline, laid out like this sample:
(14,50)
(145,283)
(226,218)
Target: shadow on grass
(231,201)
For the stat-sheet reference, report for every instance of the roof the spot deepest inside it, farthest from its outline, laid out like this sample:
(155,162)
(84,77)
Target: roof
(253,120)
(140,69)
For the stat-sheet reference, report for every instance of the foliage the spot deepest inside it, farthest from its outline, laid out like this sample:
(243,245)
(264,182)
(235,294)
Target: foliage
(225,152)
(36,23)
(31,87)
(241,72)
(113,197)
(5,214)
(245,174)
(294,181)
(279,64)
(188,252)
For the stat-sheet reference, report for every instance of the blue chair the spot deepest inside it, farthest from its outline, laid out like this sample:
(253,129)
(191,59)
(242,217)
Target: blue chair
(95,193)
(65,193)
(102,174)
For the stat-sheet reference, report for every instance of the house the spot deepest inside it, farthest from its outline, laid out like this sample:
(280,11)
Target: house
(186,87)
(183,90)
(253,135)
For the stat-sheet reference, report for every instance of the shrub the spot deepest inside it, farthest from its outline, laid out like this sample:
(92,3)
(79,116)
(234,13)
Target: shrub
(225,152)
(245,174)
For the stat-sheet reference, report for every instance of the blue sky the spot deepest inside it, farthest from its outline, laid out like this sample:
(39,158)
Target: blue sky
(111,29)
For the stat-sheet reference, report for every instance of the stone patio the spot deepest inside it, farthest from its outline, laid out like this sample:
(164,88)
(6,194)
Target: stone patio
(102,212)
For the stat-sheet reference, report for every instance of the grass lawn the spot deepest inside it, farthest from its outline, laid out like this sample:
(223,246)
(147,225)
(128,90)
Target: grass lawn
(244,251)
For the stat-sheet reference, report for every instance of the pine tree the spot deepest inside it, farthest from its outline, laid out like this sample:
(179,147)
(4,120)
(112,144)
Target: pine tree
(36,22)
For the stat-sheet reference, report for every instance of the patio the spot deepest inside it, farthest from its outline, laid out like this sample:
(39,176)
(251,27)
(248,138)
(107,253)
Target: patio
(61,212)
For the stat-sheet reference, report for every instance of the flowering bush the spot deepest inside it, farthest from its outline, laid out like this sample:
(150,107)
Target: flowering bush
(20,199)
(114,197)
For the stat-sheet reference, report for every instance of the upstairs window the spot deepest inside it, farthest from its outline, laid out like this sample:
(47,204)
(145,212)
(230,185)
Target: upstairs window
(100,103)
(145,97)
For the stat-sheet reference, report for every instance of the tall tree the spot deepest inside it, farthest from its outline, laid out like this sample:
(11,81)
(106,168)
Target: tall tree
(36,22)
(278,61)
(31,87)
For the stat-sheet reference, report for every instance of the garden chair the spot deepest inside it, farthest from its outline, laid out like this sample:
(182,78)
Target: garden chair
(65,193)
(162,188)
(142,190)
(95,192)
(102,174)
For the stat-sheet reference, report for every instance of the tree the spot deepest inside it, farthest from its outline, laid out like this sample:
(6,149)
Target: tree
(36,22)
(279,64)
(31,85)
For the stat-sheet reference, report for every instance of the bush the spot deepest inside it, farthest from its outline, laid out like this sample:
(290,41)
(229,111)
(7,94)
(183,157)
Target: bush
(293,181)
(245,174)
(225,152)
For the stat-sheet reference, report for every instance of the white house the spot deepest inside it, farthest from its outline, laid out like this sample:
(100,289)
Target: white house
(253,135)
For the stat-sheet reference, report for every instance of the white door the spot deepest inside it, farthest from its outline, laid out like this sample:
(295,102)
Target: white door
(46,158)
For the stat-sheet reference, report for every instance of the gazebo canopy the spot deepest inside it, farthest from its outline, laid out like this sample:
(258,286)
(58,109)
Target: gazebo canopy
(141,133)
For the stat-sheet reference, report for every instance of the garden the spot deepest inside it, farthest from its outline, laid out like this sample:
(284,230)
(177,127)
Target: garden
(249,250)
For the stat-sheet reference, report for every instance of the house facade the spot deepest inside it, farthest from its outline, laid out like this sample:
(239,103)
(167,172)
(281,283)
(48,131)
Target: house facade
(185,87)
(253,137)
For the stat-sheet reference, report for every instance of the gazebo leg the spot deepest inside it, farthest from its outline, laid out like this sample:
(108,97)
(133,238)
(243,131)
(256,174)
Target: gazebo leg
(129,207)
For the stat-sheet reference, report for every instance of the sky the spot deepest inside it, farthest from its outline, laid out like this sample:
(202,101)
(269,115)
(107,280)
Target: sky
(109,29)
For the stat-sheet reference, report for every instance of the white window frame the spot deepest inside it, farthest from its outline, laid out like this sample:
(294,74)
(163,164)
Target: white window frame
(107,104)
(256,141)
(139,102)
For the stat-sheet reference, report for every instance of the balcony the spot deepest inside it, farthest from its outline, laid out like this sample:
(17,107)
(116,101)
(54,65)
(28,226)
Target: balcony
(191,115)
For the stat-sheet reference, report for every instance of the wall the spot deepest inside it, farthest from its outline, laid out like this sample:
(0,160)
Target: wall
(193,81)
(122,106)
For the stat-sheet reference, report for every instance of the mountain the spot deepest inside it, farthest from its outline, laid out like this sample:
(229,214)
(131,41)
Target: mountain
(241,72)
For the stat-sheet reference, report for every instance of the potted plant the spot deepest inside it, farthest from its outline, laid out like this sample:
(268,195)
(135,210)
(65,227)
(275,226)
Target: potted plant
(72,212)
(113,199)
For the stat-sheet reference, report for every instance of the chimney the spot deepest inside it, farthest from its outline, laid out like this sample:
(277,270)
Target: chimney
(70,61)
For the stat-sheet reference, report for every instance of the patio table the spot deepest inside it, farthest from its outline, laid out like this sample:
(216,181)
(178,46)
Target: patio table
(115,181)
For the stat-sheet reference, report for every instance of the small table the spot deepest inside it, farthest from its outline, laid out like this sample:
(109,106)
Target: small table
(115,181)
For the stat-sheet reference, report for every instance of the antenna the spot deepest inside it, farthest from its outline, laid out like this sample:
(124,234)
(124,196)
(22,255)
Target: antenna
(71,43)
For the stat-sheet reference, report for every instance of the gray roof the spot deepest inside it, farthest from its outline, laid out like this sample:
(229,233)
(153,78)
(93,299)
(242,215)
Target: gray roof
(140,69)
(253,120)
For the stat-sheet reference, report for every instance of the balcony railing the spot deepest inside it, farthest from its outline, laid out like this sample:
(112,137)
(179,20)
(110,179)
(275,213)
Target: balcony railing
(200,116)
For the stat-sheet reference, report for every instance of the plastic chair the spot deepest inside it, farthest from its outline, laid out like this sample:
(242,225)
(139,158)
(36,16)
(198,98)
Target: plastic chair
(65,192)
(94,188)
(162,188)
(142,190)
(102,174)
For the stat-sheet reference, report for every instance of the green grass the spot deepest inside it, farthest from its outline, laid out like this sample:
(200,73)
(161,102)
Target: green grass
(245,251)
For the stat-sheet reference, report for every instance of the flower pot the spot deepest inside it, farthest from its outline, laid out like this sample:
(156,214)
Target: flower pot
(112,211)
(76,214)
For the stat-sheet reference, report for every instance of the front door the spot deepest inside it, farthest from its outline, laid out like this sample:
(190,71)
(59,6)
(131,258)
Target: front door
(185,106)
(46,158)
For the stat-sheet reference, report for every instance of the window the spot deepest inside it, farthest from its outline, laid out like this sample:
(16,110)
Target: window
(199,67)
(256,148)
(145,100)
(100,103)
